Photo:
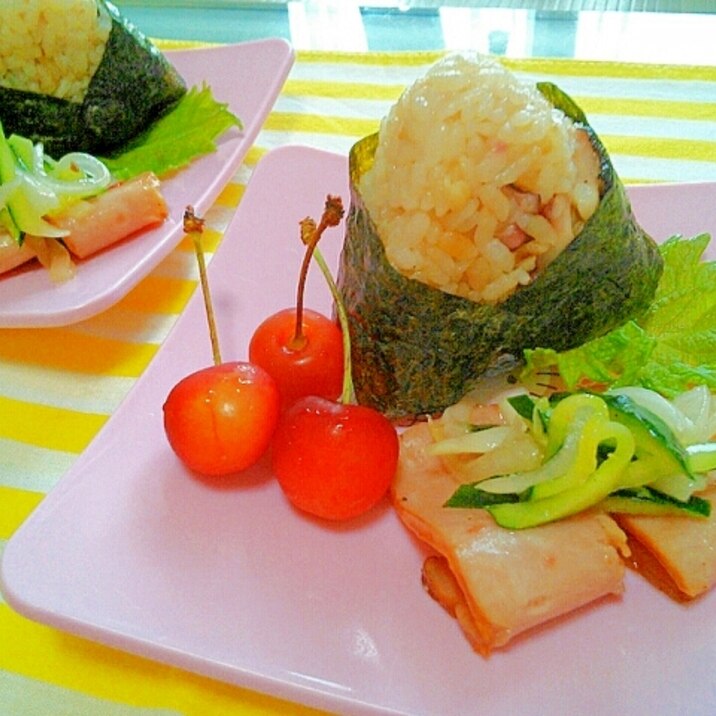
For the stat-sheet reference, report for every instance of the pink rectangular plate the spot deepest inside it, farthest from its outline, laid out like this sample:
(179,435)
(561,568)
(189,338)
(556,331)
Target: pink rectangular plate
(248,77)
(131,551)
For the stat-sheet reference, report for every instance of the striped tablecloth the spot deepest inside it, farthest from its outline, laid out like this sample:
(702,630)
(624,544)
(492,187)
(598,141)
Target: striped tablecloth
(58,386)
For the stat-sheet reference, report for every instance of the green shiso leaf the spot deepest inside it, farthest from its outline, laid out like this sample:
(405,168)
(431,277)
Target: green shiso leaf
(613,359)
(188,131)
(669,349)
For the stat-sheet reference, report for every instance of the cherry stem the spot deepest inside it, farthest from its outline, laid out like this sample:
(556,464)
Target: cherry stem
(311,235)
(194,227)
(348,394)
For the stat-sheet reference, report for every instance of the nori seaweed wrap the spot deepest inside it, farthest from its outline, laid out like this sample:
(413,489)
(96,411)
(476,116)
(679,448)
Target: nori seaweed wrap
(131,82)
(417,349)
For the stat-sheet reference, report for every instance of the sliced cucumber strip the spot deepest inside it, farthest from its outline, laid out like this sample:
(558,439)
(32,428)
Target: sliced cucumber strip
(702,457)
(647,501)
(653,436)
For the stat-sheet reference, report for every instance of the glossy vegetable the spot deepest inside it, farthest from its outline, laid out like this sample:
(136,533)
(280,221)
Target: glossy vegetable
(73,199)
(647,501)
(603,450)
(34,186)
(578,427)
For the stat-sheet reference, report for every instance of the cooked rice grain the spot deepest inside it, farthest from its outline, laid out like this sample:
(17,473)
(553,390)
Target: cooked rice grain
(478,182)
(52,47)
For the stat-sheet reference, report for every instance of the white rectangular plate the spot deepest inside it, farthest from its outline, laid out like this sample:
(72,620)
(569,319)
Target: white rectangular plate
(131,551)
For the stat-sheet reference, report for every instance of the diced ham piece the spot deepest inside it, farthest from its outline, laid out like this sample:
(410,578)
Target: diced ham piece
(121,211)
(511,580)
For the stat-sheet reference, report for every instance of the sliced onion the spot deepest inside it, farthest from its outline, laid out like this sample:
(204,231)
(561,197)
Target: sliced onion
(679,486)
(699,405)
(43,201)
(54,256)
(562,462)
(518,453)
(7,190)
(48,193)
(474,442)
(680,424)
(96,176)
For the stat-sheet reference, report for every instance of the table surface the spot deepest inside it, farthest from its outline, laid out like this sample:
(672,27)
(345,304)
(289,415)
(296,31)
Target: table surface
(657,120)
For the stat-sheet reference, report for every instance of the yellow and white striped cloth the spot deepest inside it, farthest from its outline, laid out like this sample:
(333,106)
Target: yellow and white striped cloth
(59,385)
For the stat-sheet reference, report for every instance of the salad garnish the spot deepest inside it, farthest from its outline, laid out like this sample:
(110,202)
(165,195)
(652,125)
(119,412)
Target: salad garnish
(669,349)
(37,191)
(609,451)
(34,186)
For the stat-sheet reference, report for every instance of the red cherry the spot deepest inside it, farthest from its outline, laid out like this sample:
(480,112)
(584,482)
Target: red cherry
(310,365)
(220,420)
(334,460)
